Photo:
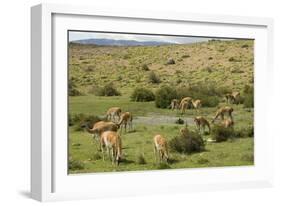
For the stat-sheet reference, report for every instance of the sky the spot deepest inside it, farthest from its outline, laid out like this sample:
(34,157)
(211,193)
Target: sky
(75,35)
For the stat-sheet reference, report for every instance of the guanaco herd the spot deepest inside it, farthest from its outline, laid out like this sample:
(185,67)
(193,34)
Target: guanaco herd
(106,132)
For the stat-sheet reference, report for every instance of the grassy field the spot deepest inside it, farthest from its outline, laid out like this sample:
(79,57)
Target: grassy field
(228,64)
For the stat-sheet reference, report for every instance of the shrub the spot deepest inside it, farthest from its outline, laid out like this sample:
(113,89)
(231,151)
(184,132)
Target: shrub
(248,96)
(164,96)
(170,61)
(153,78)
(187,143)
(107,90)
(142,95)
(245,46)
(140,159)
(144,67)
(78,120)
(72,90)
(186,56)
(163,165)
(221,133)
(202,160)
(96,156)
(75,165)
(179,121)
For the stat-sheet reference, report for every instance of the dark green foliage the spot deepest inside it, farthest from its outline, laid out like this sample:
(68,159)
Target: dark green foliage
(163,165)
(72,89)
(245,132)
(140,159)
(245,46)
(186,56)
(221,133)
(179,121)
(107,90)
(75,165)
(78,120)
(187,143)
(142,95)
(153,78)
(164,96)
(144,67)
(248,96)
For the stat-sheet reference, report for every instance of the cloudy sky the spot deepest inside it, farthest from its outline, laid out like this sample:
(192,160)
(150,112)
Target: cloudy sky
(75,35)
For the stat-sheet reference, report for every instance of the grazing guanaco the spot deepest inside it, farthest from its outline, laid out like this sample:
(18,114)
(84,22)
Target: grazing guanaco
(201,123)
(101,127)
(174,104)
(160,148)
(196,104)
(112,113)
(126,119)
(113,144)
(236,96)
(228,123)
(185,99)
(222,111)
(229,98)
(184,106)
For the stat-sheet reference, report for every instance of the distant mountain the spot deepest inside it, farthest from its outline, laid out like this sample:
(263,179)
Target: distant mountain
(113,42)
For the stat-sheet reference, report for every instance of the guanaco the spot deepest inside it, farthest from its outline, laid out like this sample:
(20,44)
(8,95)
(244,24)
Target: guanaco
(174,104)
(112,113)
(228,123)
(126,119)
(113,144)
(222,111)
(184,106)
(185,99)
(101,127)
(160,148)
(196,104)
(201,123)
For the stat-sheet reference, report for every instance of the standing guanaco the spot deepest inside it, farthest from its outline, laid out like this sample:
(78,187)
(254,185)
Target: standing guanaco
(201,123)
(160,148)
(222,111)
(196,104)
(112,113)
(227,123)
(174,104)
(126,119)
(113,144)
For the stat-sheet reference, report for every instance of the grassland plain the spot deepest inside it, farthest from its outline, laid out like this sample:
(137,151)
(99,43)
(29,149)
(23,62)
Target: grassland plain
(228,64)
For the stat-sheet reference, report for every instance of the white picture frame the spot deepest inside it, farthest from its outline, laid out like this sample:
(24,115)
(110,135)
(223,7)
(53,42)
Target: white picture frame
(49,178)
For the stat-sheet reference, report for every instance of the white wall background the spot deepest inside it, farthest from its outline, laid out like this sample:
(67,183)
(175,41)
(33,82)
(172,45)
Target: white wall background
(15,95)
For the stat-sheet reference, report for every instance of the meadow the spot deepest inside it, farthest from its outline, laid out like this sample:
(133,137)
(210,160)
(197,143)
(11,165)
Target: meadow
(226,64)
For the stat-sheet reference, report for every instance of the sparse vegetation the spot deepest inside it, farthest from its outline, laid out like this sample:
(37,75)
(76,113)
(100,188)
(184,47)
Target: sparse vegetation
(153,78)
(107,90)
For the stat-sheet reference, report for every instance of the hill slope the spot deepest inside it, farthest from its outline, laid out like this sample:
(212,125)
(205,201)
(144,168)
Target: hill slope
(225,63)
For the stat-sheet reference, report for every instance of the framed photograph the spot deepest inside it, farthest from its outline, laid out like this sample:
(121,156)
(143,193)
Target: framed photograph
(136,102)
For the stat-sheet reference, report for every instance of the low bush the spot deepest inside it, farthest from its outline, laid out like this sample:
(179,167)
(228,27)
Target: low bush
(164,96)
(179,121)
(144,67)
(153,78)
(107,90)
(187,143)
(75,165)
(140,159)
(78,120)
(221,133)
(163,165)
(72,90)
(142,95)
(248,96)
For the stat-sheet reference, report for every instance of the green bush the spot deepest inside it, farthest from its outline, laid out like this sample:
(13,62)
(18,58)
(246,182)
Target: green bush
(187,143)
(140,159)
(248,99)
(107,90)
(153,78)
(164,96)
(72,90)
(75,165)
(142,95)
(221,133)
(78,120)
(179,121)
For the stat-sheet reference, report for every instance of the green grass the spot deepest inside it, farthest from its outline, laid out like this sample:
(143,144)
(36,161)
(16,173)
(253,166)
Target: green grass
(83,148)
